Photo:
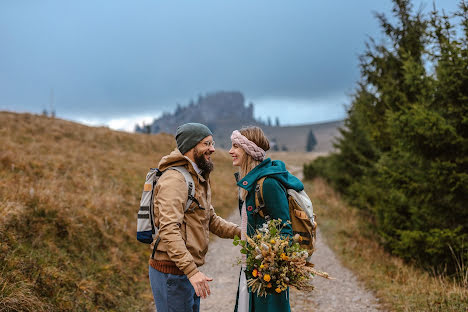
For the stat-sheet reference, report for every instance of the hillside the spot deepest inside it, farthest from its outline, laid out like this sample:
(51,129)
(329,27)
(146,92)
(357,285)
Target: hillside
(69,195)
(295,137)
(224,112)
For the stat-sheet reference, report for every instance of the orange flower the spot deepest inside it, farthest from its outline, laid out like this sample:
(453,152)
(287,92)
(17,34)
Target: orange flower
(267,278)
(272,241)
(278,290)
(255,273)
(269,285)
(284,257)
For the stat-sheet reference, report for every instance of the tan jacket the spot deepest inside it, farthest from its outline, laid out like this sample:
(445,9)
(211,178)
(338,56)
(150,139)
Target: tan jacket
(185,236)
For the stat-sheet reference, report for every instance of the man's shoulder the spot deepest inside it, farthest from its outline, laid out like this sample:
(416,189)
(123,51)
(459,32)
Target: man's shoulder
(171,175)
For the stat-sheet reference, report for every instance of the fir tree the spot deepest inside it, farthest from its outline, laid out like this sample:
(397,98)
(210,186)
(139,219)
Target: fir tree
(311,141)
(402,154)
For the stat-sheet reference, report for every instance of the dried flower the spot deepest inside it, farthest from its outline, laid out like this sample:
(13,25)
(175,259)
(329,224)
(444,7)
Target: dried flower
(270,251)
(255,273)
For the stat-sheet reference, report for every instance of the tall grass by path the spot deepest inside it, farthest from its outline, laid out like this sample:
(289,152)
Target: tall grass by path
(400,286)
(69,195)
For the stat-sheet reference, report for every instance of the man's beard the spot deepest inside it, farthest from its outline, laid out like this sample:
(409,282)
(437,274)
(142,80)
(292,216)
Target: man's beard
(206,166)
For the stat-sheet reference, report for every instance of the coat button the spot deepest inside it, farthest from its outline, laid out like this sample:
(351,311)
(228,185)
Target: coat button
(245,182)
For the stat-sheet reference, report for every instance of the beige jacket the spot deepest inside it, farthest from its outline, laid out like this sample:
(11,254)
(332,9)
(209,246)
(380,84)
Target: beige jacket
(185,236)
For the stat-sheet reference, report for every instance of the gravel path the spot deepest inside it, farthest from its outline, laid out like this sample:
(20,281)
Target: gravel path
(345,293)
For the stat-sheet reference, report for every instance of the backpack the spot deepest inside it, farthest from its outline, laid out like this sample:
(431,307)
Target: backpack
(301,213)
(146,229)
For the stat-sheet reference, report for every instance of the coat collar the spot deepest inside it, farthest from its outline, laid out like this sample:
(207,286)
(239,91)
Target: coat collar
(263,169)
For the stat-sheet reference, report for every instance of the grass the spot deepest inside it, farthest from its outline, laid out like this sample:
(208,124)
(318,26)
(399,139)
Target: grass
(400,286)
(69,195)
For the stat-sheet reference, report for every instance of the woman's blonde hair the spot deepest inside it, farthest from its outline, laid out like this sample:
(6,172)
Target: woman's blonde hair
(256,135)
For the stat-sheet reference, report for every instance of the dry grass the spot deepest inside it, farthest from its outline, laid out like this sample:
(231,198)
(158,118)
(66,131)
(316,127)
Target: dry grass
(68,201)
(401,287)
(295,159)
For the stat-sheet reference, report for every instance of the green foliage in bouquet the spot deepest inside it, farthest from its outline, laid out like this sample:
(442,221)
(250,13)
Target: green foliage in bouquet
(275,261)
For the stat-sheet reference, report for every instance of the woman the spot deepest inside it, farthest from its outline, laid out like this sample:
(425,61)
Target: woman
(248,153)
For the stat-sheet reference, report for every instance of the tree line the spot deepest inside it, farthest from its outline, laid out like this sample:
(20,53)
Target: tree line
(403,152)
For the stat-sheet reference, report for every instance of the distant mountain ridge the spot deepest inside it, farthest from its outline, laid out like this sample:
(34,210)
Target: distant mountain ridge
(225,111)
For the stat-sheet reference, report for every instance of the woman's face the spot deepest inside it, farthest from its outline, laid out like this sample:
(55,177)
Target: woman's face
(237,154)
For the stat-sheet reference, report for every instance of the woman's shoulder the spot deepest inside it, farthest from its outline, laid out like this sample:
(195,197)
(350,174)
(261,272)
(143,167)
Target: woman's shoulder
(271,184)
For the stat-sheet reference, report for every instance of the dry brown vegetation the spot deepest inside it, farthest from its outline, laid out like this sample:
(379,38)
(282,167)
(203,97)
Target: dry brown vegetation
(69,195)
(401,287)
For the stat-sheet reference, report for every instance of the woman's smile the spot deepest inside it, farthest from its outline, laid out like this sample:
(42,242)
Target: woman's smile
(237,154)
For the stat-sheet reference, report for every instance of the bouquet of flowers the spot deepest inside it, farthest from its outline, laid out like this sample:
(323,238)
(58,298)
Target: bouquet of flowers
(275,261)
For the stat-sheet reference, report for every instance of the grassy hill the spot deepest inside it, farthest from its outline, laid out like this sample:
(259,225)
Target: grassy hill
(69,195)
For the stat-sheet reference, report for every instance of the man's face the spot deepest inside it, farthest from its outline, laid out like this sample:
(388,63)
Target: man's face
(202,155)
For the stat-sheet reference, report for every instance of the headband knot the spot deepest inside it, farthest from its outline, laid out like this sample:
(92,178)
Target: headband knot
(248,146)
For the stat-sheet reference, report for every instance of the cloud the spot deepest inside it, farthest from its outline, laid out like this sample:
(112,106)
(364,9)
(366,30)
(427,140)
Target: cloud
(123,123)
(293,111)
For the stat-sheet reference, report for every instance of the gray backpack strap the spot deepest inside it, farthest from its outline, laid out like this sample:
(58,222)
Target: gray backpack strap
(190,186)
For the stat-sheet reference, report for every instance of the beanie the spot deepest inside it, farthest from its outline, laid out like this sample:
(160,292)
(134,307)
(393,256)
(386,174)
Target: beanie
(188,135)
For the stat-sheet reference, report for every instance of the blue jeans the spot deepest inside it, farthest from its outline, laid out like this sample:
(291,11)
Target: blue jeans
(173,293)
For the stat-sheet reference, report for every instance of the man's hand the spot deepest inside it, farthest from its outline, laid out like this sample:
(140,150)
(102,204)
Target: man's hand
(200,283)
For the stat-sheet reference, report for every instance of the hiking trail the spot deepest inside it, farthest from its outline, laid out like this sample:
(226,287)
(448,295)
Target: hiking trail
(345,293)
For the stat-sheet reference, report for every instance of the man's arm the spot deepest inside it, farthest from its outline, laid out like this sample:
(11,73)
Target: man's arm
(221,227)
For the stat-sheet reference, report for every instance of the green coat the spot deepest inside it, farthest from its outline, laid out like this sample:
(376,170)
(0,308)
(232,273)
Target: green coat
(276,206)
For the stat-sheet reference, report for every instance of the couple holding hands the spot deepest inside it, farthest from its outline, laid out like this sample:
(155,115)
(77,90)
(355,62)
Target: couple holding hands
(175,279)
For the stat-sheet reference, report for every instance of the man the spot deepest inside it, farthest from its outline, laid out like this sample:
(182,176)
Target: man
(176,282)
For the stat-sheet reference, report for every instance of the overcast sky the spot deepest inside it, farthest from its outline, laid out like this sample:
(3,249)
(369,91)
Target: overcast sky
(120,62)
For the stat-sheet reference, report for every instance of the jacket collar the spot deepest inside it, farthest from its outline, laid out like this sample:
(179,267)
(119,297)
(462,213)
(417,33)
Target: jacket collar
(261,170)
(175,158)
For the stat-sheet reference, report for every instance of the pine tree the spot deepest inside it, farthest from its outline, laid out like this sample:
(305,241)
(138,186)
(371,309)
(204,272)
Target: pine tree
(402,154)
(311,141)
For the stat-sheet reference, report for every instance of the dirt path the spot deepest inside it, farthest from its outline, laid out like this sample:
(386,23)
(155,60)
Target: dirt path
(345,293)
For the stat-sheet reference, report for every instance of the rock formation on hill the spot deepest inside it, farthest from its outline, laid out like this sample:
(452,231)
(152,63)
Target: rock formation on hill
(224,112)
(214,110)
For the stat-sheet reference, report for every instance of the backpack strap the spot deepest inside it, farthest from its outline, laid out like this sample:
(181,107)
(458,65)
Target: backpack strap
(191,197)
(259,202)
(190,186)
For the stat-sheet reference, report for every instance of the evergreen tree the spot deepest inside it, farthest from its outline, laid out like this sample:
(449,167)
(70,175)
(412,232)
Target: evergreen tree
(402,154)
(311,141)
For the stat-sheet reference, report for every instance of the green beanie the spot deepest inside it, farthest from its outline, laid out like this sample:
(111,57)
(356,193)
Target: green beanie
(188,135)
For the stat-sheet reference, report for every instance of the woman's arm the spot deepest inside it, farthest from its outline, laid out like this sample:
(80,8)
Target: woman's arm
(276,203)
